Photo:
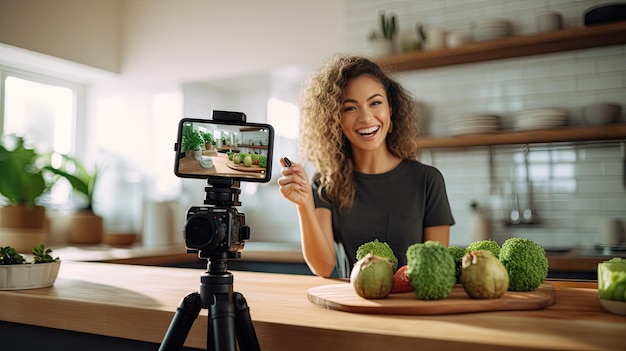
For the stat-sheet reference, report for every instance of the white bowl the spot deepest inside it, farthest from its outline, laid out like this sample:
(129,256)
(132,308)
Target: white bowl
(617,307)
(601,113)
(28,275)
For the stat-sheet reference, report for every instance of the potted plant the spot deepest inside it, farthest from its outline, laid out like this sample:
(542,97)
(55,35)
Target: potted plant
(23,222)
(383,39)
(209,140)
(192,141)
(86,227)
(16,272)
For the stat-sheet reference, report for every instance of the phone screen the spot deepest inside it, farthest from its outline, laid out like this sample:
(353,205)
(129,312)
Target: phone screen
(219,149)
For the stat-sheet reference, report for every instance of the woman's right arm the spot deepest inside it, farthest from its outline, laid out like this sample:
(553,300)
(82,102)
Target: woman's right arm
(315,223)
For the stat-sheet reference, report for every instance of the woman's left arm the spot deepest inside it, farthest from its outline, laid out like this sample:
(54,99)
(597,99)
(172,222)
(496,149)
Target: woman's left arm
(440,233)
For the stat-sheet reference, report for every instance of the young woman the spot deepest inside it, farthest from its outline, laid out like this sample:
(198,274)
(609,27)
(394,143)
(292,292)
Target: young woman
(359,131)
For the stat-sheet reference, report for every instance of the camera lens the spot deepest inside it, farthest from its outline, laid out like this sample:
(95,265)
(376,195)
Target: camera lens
(203,232)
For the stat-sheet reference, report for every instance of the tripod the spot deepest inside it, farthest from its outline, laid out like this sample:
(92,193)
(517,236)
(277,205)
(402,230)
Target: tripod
(229,314)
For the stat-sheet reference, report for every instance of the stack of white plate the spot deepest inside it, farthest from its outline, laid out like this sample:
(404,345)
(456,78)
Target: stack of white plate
(475,124)
(541,118)
(492,29)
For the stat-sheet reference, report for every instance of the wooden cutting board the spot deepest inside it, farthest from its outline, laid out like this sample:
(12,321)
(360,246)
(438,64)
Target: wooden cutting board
(342,297)
(242,168)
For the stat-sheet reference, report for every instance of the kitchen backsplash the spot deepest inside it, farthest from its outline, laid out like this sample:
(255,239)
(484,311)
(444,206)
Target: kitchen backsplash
(573,185)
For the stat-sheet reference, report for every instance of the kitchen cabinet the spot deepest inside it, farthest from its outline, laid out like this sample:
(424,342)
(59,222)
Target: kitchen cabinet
(517,46)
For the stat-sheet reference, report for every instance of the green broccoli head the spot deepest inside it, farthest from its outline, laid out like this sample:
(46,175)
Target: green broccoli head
(488,245)
(526,262)
(457,254)
(377,248)
(431,269)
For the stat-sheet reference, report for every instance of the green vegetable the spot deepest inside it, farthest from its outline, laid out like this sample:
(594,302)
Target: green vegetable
(263,161)
(484,276)
(372,277)
(377,248)
(42,255)
(612,279)
(526,262)
(431,269)
(8,255)
(488,245)
(457,254)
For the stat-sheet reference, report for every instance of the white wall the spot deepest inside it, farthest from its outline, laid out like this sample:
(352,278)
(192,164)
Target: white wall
(197,39)
(85,32)
(182,40)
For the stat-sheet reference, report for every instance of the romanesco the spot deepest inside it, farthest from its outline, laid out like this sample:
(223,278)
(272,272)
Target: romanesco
(457,254)
(488,245)
(526,262)
(431,269)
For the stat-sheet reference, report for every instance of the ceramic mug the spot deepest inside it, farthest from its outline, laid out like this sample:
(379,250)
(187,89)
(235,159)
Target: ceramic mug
(610,231)
(549,21)
(436,38)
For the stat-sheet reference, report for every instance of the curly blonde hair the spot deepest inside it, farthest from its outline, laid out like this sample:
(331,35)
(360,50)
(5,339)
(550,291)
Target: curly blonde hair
(322,141)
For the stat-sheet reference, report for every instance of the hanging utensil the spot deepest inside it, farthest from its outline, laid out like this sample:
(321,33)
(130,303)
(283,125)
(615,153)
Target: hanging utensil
(528,214)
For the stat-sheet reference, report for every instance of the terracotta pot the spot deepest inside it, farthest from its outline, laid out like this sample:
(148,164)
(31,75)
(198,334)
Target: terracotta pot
(85,227)
(23,228)
(22,216)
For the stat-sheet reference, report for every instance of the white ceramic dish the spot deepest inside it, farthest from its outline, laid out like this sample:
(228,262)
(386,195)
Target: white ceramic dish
(617,307)
(601,113)
(28,276)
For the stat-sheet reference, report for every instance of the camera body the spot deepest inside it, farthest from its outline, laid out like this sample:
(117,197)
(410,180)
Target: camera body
(215,229)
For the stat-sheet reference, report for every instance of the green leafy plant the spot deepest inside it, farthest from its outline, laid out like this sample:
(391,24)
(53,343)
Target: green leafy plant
(42,254)
(208,138)
(8,255)
(21,178)
(388,27)
(191,139)
(70,168)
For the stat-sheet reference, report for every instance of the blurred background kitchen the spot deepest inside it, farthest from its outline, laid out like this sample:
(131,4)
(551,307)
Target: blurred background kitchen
(109,80)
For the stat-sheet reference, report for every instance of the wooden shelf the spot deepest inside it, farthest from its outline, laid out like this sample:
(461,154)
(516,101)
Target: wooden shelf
(569,134)
(517,46)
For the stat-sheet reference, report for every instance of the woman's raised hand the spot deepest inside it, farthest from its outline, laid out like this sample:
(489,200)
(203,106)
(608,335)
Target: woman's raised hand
(293,183)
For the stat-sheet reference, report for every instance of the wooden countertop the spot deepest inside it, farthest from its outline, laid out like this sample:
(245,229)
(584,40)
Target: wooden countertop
(138,302)
(575,260)
(175,254)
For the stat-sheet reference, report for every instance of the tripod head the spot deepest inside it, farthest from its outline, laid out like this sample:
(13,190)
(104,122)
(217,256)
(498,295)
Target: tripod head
(219,228)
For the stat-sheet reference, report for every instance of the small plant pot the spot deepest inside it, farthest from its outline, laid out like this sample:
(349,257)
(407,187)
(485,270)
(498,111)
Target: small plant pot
(28,276)
(379,48)
(85,228)
(23,227)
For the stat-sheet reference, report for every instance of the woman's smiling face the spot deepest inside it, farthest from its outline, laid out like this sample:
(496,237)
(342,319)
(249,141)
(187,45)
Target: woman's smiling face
(365,113)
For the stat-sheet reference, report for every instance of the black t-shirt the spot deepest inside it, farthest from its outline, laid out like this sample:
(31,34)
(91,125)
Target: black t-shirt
(393,207)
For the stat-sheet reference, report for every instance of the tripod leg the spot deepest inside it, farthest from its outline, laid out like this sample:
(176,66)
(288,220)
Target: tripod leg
(246,336)
(186,313)
(221,324)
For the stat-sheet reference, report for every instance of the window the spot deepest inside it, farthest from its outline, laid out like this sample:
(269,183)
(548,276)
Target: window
(43,111)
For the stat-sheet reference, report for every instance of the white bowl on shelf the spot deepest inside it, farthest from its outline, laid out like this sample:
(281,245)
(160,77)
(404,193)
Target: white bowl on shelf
(601,114)
(28,275)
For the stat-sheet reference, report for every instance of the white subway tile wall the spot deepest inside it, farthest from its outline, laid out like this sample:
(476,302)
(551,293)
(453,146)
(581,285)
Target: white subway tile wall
(572,185)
